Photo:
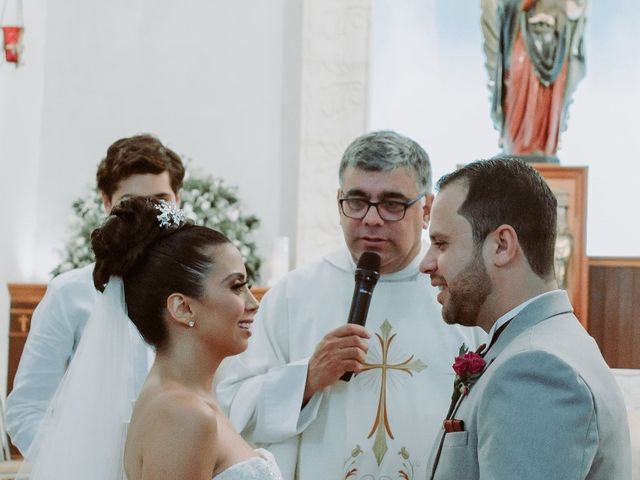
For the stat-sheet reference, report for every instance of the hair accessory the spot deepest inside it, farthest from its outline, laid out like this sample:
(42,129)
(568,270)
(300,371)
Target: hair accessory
(170,214)
(191,324)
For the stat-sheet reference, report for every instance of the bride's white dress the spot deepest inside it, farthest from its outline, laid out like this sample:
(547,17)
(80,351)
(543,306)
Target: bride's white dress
(262,467)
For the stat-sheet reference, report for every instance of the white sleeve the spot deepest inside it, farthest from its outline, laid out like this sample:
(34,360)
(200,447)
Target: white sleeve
(262,389)
(49,347)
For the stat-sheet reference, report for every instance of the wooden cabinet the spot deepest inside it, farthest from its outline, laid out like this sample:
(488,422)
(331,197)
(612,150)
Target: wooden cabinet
(24,299)
(614,309)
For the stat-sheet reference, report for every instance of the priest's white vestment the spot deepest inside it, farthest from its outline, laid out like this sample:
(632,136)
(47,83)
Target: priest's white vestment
(381,424)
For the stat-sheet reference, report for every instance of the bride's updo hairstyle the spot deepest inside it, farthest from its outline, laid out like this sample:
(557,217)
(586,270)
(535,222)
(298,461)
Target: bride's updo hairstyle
(154,261)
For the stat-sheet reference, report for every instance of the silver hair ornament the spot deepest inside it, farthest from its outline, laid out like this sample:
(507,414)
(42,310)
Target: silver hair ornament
(170,214)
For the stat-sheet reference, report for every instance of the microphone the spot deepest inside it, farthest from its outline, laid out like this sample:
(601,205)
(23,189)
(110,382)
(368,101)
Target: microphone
(367,274)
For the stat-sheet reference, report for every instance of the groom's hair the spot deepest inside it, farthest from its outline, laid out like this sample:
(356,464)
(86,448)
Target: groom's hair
(138,155)
(507,191)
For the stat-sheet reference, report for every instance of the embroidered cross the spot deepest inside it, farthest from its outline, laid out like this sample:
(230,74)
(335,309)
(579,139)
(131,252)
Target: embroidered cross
(381,426)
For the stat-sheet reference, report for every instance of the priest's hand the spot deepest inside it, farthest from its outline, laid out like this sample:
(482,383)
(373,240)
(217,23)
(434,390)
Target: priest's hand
(341,350)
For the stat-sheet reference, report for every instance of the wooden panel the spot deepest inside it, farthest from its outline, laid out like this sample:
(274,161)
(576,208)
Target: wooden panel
(614,309)
(24,298)
(614,262)
(572,183)
(259,292)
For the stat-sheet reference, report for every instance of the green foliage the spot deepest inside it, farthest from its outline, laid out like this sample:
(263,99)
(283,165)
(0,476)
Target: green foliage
(205,199)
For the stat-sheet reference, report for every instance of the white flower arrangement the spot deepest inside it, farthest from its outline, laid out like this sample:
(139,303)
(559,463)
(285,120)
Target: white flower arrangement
(206,201)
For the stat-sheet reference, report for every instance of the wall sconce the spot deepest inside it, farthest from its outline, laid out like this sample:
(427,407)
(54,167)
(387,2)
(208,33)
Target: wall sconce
(12,34)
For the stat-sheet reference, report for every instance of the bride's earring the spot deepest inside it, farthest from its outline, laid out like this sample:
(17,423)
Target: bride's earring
(191,323)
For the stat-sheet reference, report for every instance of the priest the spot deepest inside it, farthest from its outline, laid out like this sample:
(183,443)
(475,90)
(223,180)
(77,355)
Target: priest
(285,391)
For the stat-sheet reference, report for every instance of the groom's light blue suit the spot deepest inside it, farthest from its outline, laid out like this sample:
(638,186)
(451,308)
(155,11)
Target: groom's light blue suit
(546,407)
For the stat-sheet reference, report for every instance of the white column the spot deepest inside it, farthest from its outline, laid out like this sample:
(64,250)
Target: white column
(334,90)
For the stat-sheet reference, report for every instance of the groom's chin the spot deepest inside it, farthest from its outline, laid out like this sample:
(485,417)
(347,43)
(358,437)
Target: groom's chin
(448,317)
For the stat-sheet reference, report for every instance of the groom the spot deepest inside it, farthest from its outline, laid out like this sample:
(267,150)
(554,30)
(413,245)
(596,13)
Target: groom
(542,402)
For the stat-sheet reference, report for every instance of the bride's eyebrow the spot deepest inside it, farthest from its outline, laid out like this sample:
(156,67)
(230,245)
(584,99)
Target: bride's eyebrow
(234,276)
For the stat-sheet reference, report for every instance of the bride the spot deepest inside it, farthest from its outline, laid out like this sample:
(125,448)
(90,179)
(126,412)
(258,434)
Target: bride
(184,287)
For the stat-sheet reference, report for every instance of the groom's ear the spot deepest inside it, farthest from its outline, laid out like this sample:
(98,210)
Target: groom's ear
(503,246)
(179,308)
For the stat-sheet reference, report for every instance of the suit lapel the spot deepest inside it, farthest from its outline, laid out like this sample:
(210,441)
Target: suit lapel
(555,303)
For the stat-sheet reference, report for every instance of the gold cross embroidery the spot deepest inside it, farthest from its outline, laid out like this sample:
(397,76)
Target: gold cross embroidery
(381,426)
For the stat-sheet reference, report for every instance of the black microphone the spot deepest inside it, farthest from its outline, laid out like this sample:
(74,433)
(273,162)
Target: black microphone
(367,274)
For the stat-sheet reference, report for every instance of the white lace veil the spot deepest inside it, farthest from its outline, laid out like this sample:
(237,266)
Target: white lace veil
(82,436)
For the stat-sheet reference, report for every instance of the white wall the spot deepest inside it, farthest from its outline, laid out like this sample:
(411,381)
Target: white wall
(206,76)
(428,81)
(20,124)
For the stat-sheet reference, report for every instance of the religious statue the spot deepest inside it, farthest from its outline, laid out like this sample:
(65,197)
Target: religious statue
(534,58)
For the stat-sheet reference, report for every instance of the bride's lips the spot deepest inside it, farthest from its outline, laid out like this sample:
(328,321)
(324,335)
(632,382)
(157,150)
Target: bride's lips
(245,325)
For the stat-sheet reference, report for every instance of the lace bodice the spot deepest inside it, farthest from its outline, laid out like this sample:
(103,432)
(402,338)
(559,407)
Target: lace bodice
(262,467)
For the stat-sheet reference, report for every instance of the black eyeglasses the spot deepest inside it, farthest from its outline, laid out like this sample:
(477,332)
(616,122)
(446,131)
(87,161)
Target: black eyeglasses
(388,210)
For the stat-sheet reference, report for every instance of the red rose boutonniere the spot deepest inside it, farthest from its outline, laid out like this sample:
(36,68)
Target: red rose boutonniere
(468,367)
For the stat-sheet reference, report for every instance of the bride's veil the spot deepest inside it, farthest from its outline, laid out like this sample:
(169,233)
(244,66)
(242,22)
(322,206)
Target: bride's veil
(84,430)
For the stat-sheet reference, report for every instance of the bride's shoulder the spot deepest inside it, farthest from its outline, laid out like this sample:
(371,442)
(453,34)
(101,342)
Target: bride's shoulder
(175,432)
(183,412)
(183,404)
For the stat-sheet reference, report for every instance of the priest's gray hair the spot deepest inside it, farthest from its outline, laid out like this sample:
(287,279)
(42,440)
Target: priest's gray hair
(384,151)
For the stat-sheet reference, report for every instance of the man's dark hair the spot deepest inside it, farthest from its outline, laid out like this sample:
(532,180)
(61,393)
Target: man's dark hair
(508,191)
(138,155)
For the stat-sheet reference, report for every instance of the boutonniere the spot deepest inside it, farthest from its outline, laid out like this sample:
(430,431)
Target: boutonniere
(468,367)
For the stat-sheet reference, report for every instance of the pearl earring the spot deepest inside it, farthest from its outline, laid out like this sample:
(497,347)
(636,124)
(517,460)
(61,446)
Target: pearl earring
(191,324)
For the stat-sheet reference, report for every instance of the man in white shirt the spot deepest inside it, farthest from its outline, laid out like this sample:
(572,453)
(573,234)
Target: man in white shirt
(136,166)
(284,392)
(540,401)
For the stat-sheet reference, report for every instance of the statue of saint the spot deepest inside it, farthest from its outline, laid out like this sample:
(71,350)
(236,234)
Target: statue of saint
(535,58)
